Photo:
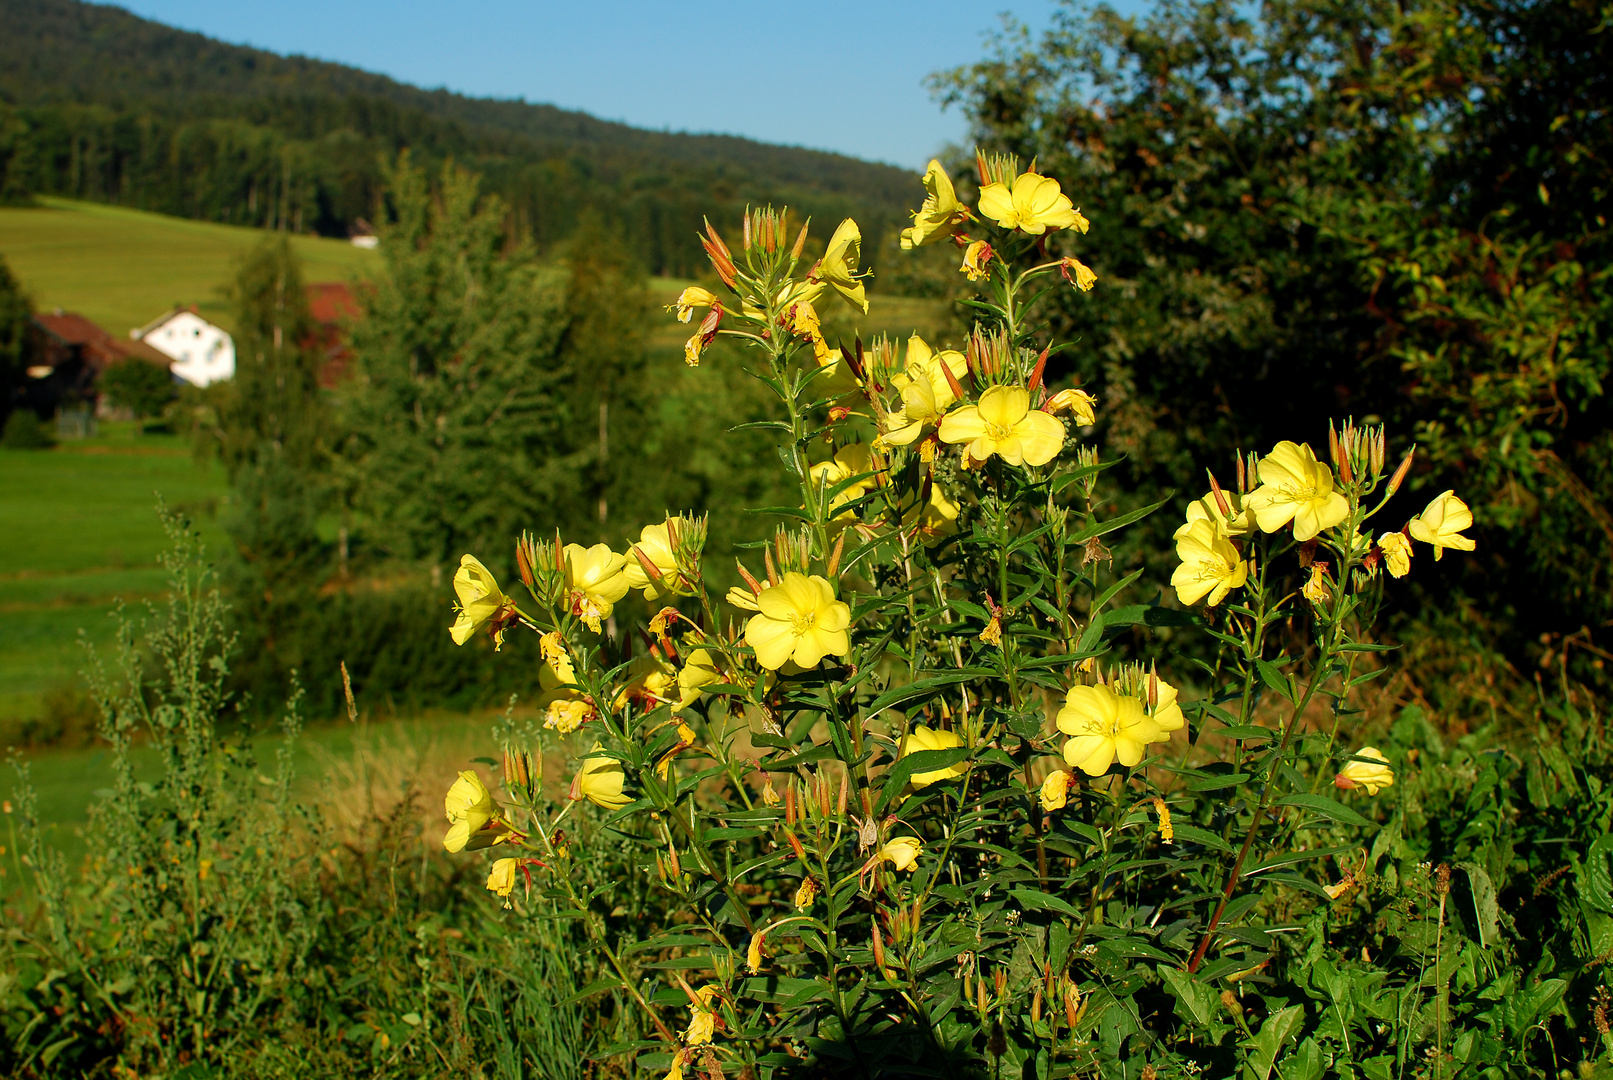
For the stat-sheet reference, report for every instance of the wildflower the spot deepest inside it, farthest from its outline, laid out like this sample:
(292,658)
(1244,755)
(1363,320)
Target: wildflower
(655,544)
(993,633)
(702,1018)
(601,781)
(1078,273)
(807,893)
(924,738)
(472,815)
(936,517)
(941,213)
(1397,553)
(1104,728)
(501,879)
(596,578)
(1003,423)
(753,954)
(650,681)
(1055,790)
(976,257)
(852,462)
(925,389)
(902,852)
(1234,523)
(1211,566)
(1032,205)
(1372,773)
(798,620)
(565,708)
(1316,589)
(802,321)
(481,601)
(1081,406)
(742,598)
(699,671)
(1441,523)
(676,1072)
(1295,487)
(1167,832)
(1165,712)
(838,268)
(689,299)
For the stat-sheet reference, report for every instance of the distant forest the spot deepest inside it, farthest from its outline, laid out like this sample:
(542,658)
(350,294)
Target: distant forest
(98,104)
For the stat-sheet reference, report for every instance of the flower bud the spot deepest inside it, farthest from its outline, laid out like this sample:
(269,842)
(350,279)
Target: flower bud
(1400,472)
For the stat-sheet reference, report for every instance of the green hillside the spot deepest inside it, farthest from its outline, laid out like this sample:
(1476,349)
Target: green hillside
(123,267)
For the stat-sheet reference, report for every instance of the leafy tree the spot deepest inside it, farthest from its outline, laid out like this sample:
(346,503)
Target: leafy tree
(1389,209)
(142,387)
(24,432)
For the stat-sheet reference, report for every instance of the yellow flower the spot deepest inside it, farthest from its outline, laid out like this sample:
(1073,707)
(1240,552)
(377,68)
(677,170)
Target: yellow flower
(1081,406)
(501,879)
(1441,523)
(902,852)
(700,670)
(925,391)
(650,681)
(596,578)
(1033,205)
(1055,790)
(676,1072)
(742,598)
(1371,774)
(472,815)
(601,781)
(1166,713)
(1078,273)
(798,619)
(565,708)
(1207,509)
(936,518)
(941,213)
(1003,423)
(480,600)
(702,1018)
(1167,832)
(1295,487)
(924,738)
(807,893)
(689,299)
(1396,553)
(851,460)
(838,268)
(975,259)
(1316,589)
(655,541)
(753,953)
(1210,566)
(1104,728)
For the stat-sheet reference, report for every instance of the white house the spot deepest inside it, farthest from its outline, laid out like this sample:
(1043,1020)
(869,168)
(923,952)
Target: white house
(202,353)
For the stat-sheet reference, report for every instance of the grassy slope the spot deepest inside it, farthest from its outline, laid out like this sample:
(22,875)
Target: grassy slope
(122,268)
(80,529)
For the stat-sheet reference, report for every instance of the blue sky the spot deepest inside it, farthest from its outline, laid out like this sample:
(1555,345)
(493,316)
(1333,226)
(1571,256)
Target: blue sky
(854,71)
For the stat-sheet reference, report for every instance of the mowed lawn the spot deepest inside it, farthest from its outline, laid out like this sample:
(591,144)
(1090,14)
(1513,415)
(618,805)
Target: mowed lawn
(78,529)
(122,268)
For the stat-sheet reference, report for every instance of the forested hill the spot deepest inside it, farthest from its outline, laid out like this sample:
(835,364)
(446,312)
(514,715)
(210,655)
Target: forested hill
(98,103)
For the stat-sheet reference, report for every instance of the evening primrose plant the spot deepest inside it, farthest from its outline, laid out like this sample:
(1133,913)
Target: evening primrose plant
(911,807)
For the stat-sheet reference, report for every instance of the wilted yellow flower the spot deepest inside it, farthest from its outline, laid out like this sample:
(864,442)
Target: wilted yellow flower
(700,670)
(1078,273)
(742,598)
(753,954)
(941,213)
(596,578)
(1167,832)
(1055,790)
(1372,774)
(655,541)
(501,879)
(650,681)
(807,893)
(924,738)
(689,299)
(480,600)
(702,1018)
(1441,523)
(925,391)
(1104,728)
(1396,553)
(1316,589)
(565,708)
(676,1071)
(1003,423)
(1033,205)
(838,268)
(1081,406)
(1295,487)
(601,780)
(976,257)
(1211,566)
(798,619)
(471,810)
(1207,509)
(902,852)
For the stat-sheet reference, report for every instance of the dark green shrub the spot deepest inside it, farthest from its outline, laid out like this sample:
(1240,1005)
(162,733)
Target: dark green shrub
(25,432)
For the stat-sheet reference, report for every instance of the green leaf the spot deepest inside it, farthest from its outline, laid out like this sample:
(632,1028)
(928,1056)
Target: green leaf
(1036,900)
(1328,808)
(918,761)
(1195,1002)
(1484,903)
(1273,677)
(1095,529)
(1281,1026)
(1192,834)
(896,695)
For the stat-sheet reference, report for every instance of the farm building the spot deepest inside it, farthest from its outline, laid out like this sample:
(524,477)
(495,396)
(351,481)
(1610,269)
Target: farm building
(69,357)
(201,352)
